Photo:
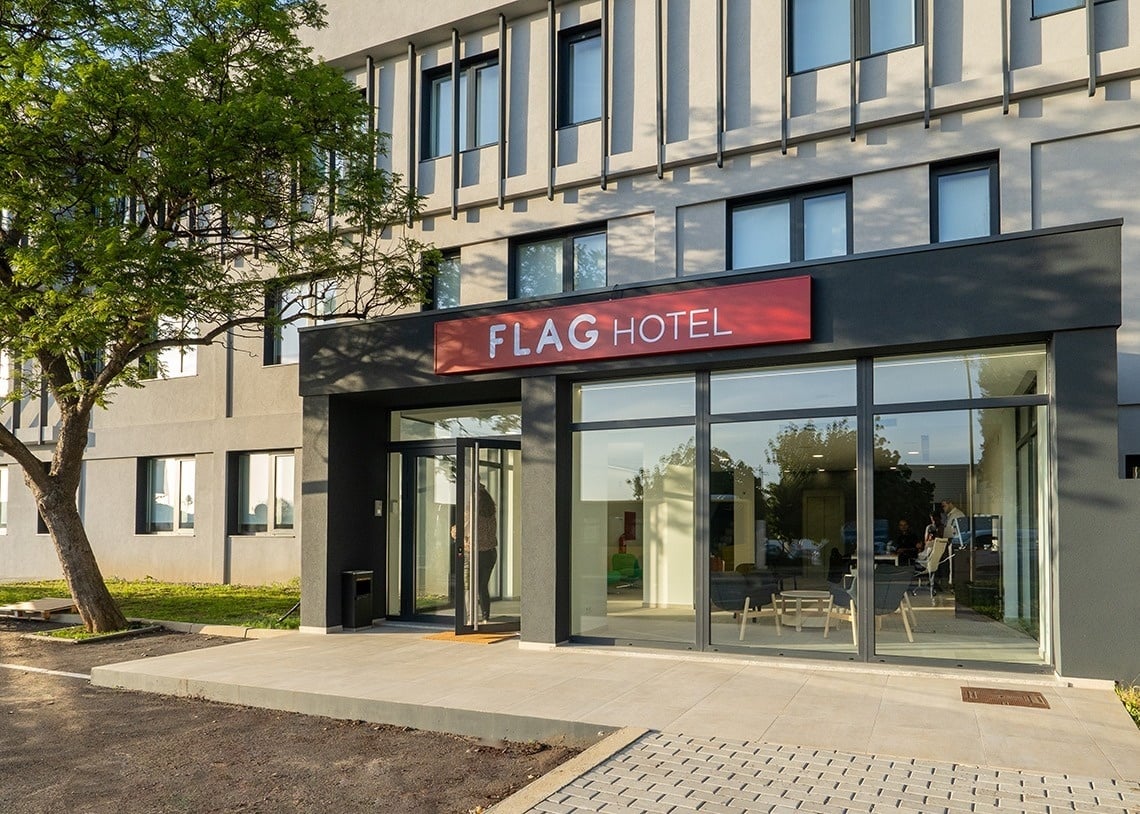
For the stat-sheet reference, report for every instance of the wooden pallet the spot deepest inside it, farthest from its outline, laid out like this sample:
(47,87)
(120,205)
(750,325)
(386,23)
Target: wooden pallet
(38,608)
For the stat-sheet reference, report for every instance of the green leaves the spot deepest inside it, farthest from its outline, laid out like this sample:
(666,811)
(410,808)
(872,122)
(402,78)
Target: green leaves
(176,158)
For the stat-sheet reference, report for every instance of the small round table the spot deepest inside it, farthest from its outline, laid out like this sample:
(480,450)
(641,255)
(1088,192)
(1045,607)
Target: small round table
(811,607)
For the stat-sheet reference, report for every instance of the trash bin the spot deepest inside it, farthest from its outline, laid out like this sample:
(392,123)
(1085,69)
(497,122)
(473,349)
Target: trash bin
(356,596)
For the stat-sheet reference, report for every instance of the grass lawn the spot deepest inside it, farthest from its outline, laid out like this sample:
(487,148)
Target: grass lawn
(244,605)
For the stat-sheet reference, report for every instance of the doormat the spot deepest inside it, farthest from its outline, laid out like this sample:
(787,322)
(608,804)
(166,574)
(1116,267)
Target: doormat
(472,638)
(1007,698)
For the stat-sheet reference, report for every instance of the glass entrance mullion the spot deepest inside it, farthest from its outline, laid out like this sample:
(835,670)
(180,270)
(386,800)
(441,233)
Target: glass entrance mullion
(701,498)
(864,620)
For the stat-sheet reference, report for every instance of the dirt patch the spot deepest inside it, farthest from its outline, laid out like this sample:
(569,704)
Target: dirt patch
(68,746)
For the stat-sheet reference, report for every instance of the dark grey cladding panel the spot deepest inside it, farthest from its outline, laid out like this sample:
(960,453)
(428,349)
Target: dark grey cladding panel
(1020,286)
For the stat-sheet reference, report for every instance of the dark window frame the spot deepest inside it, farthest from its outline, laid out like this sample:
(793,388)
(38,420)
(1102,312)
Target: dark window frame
(948,168)
(862,23)
(795,199)
(431,302)
(1079,4)
(564,85)
(144,491)
(470,68)
(567,237)
(234,523)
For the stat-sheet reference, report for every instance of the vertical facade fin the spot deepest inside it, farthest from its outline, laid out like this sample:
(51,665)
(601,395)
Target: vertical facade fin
(785,61)
(1090,36)
(501,198)
(659,63)
(551,111)
(455,123)
(412,78)
(720,83)
(605,128)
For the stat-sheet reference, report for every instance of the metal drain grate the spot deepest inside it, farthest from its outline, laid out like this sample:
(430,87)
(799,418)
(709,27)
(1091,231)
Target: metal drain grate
(1007,698)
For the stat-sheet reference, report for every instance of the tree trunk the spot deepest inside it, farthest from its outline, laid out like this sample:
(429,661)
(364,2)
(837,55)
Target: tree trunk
(97,608)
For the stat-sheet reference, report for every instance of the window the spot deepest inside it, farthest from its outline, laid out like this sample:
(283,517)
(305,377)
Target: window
(821,30)
(478,110)
(283,341)
(579,74)
(573,262)
(176,361)
(168,495)
(445,285)
(964,201)
(5,374)
(1042,8)
(3,498)
(264,492)
(802,226)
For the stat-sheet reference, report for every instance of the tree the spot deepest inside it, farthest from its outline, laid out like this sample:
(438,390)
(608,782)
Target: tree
(167,169)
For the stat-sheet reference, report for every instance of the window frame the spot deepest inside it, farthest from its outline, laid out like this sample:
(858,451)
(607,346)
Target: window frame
(862,23)
(311,300)
(1078,4)
(795,199)
(564,74)
(568,237)
(944,169)
(469,69)
(151,365)
(145,481)
(432,301)
(272,528)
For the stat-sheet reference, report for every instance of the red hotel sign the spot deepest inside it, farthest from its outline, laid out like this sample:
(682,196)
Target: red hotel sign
(730,316)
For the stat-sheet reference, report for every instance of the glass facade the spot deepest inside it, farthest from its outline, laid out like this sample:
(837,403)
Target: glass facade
(436,423)
(741,526)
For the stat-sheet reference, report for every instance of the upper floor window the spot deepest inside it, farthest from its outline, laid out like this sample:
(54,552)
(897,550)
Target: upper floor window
(800,226)
(264,492)
(579,74)
(5,373)
(571,262)
(174,361)
(283,341)
(168,497)
(478,106)
(445,284)
(1041,8)
(964,201)
(821,30)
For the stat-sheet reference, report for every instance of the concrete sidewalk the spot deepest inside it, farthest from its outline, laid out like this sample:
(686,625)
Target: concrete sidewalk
(393,674)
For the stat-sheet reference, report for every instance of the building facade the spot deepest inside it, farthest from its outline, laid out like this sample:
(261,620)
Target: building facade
(730,291)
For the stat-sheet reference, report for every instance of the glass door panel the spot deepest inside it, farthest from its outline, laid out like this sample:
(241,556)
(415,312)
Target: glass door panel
(433,515)
(488,562)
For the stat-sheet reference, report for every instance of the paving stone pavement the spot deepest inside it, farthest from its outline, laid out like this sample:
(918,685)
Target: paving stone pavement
(665,773)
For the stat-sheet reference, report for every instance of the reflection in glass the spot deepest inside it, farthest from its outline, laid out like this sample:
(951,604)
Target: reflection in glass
(783,388)
(434,576)
(970,481)
(445,284)
(283,502)
(951,376)
(585,87)
(590,261)
(781,519)
(964,205)
(486,105)
(663,397)
(825,226)
(892,24)
(761,235)
(538,268)
(471,421)
(821,33)
(632,534)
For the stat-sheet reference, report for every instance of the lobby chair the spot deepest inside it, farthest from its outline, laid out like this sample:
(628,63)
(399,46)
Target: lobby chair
(745,595)
(892,584)
(930,571)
